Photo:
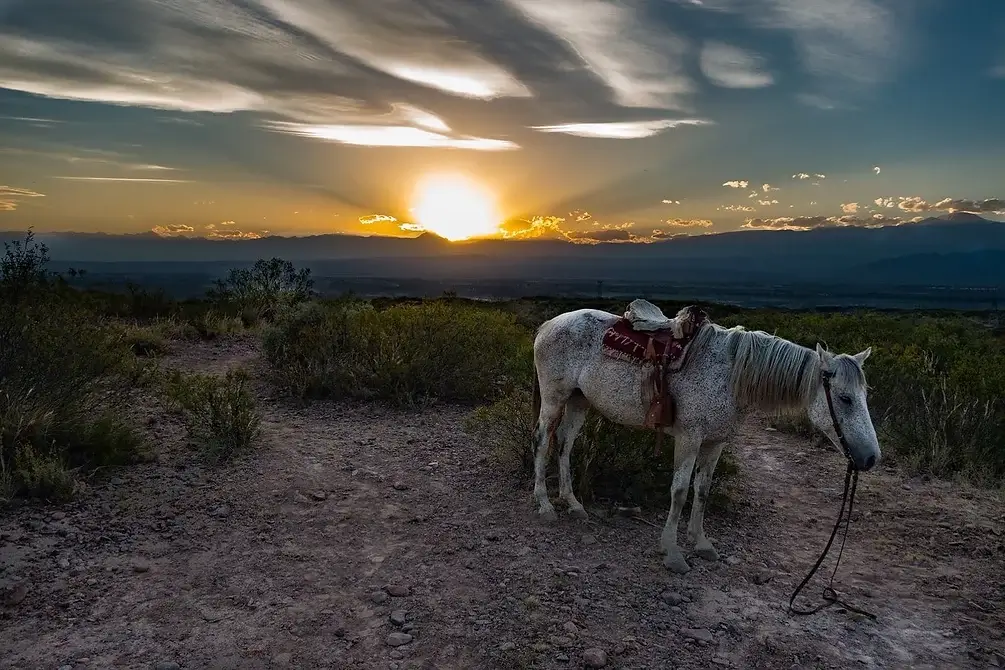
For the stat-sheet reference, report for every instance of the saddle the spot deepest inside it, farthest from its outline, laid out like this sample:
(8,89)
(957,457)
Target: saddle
(644,336)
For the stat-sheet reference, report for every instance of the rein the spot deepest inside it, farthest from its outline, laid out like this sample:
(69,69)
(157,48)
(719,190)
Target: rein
(830,595)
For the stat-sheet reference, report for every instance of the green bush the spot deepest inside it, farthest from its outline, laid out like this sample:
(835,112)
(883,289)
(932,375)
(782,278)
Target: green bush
(61,370)
(220,412)
(261,291)
(405,353)
(609,462)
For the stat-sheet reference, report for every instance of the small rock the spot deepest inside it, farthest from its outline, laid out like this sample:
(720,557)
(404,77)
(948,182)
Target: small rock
(398,639)
(507,646)
(697,634)
(400,486)
(570,628)
(589,539)
(594,658)
(762,577)
(58,516)
(733,560)
(221,511)
(397,654)
(63,563)
(398,590)
(166,665)
(562,658)
(672,598)
(115,481)
(282,659)
(141,566)
(379,597)
(398,617)
(319,495)
(16,595)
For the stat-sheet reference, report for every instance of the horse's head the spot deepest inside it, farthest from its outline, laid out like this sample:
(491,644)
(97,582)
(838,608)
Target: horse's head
(843,375)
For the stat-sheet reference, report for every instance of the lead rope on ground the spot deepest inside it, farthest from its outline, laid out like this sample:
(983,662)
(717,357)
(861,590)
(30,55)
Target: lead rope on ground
(830,594)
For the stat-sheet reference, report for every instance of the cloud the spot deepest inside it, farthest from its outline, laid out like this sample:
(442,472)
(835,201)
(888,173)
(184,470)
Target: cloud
(876,169)
(231,234)
(377,218)
(800,175)
(812,222)
(621,130)
(688,223)
(10,197)
(172,230)
(918,204)
(766,203)
(737,183)
(126,179)
(767,188)
(736,208)
(82,156)
(581,216)
(390,136)
(671,202)
(849,207)
(641,64)
(730,67)
(820,176)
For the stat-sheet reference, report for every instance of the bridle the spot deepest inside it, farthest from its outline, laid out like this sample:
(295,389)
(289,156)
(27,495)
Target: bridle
(830,595)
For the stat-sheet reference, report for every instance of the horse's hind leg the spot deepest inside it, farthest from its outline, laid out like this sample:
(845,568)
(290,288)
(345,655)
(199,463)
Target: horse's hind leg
(685,451)
(572,422)
(708,457)
(547,423)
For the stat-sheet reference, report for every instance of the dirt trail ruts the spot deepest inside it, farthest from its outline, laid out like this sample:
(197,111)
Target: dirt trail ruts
(355,527)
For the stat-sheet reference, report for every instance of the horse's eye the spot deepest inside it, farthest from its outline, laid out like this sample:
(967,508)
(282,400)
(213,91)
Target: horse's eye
(846,399)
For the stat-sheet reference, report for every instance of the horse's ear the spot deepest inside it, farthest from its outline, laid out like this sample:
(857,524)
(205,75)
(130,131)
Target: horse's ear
(862,355)
(826,358)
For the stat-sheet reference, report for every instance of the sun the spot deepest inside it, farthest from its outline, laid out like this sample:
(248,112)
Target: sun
(455,207)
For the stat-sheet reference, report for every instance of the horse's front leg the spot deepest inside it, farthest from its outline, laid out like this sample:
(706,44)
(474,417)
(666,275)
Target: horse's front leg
(685,451)
(708,457)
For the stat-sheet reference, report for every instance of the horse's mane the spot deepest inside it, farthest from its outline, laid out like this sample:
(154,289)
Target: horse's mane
(769,372)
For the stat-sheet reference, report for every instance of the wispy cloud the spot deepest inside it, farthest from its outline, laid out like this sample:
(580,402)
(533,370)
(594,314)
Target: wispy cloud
(732,67)
(390,136)
(735,208)
(737,183)
(641,64)
(126,179)
(83,156)
(918,204)
(10,197)
(767,203)
(371,219)
(800,175)
(173,230)
(811,222)
(688,223)
(622,130)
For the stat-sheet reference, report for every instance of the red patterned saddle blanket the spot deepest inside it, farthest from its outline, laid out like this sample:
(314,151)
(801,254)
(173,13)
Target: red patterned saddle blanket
(664,350)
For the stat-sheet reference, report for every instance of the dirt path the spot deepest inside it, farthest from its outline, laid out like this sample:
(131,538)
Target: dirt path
(355,526)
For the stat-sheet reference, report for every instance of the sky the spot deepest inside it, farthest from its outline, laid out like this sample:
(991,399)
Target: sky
(590,120)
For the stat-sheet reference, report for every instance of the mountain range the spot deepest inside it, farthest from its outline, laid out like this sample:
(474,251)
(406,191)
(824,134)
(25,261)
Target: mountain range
(958,249)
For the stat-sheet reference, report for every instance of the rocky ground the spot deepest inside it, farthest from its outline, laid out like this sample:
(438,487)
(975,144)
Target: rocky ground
(357,536)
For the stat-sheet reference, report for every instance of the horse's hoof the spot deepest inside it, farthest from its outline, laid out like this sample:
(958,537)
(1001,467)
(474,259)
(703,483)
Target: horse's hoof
(578,513)
(707,553)
(547,515)
(676,564)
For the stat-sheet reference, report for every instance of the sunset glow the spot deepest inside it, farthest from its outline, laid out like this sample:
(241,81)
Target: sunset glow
(455,208)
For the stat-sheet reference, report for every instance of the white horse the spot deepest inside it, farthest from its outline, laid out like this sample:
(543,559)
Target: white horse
(729,372)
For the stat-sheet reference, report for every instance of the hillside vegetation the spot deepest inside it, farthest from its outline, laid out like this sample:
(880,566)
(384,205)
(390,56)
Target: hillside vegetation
(69,357)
